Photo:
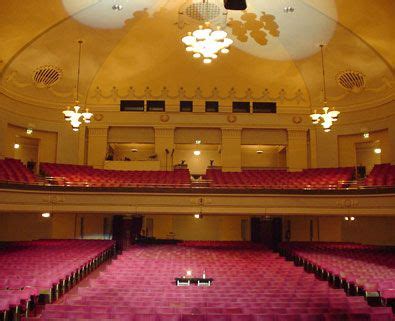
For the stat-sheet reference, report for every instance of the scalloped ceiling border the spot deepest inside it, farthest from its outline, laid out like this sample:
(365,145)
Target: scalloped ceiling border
(198,93)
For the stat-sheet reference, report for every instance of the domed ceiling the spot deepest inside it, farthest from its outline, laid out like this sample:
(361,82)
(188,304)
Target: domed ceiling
(132,49)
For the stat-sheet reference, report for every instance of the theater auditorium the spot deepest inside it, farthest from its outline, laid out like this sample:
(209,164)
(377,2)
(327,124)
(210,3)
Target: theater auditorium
(197,160)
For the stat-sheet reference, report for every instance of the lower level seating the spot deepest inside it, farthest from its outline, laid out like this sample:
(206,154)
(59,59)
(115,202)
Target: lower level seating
(250,284)
(368,269)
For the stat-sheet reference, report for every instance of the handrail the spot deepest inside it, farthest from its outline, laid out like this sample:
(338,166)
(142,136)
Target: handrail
(201,184)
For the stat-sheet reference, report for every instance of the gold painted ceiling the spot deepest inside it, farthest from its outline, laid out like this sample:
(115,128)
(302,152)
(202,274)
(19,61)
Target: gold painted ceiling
(137,52)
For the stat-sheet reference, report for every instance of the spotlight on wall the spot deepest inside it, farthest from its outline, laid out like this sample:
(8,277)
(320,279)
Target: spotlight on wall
(29,131)
(196,152)
(16,146)
(46,215)
(198,216)
(235,4)
(377,150)
(366,135)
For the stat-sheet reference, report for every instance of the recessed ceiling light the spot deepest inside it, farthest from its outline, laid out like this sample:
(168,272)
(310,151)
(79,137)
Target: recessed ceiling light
(117,7)
(198,215)
(46,215)
(352,218)
(377,150)
(16,146)
(196,152)
(346,218)
(289,9)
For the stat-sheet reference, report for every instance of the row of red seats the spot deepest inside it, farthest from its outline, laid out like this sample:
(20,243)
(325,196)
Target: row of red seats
(381,175)
(29,269)
(66,175)
(13,170)
(250,283)
(319,178)
(366,269)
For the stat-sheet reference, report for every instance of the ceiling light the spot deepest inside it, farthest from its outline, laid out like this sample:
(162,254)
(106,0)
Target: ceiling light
(16,146)
(117,7)
(206,43)
(377,150)
(328,117)
(134,150)
(74,116)
(29,131)
(198,141)
(46,215)
(189,273)
(366,135)
(289,9)
(352,218)
(346,218)
(259,151)
(198,216)
(196,152)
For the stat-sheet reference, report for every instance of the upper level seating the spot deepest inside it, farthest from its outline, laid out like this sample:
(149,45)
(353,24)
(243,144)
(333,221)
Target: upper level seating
(281,179)
(381,175)
(28,268)
(369,268)
(88,176)
(12,170)
(250,284)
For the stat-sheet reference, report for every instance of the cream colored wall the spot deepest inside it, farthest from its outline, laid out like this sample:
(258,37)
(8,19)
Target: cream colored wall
(297,150)
(24,227)
(47,145)
(347,147)
(269,158)
(197,164)
(369,230)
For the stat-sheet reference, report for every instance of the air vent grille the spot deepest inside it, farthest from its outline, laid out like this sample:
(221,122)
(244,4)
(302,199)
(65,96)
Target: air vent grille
(203,11)
(351,80)
(46,76)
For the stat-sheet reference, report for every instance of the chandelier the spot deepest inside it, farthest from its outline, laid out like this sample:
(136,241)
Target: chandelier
(328,117)
(207,43)
(74,116)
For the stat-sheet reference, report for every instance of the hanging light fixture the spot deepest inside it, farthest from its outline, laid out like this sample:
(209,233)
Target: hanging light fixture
(328,117)
(74,116)
(205,42)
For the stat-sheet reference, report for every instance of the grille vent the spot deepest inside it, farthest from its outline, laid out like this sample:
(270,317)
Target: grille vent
(351,80)
(46,76)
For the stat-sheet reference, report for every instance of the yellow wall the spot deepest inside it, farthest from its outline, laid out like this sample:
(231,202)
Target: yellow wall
(47,142)
(347,147)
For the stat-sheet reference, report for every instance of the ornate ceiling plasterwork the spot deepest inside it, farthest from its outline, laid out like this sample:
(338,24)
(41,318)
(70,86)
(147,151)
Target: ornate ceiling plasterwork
(198,94)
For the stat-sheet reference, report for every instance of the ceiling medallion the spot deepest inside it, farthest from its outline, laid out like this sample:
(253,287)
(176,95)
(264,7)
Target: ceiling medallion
(207,43)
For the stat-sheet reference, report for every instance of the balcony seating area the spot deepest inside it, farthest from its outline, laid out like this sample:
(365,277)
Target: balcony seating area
(45,267)
(250,284)
(317,178)
(381,175)
(13,170)
(360,269)
(79,175)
